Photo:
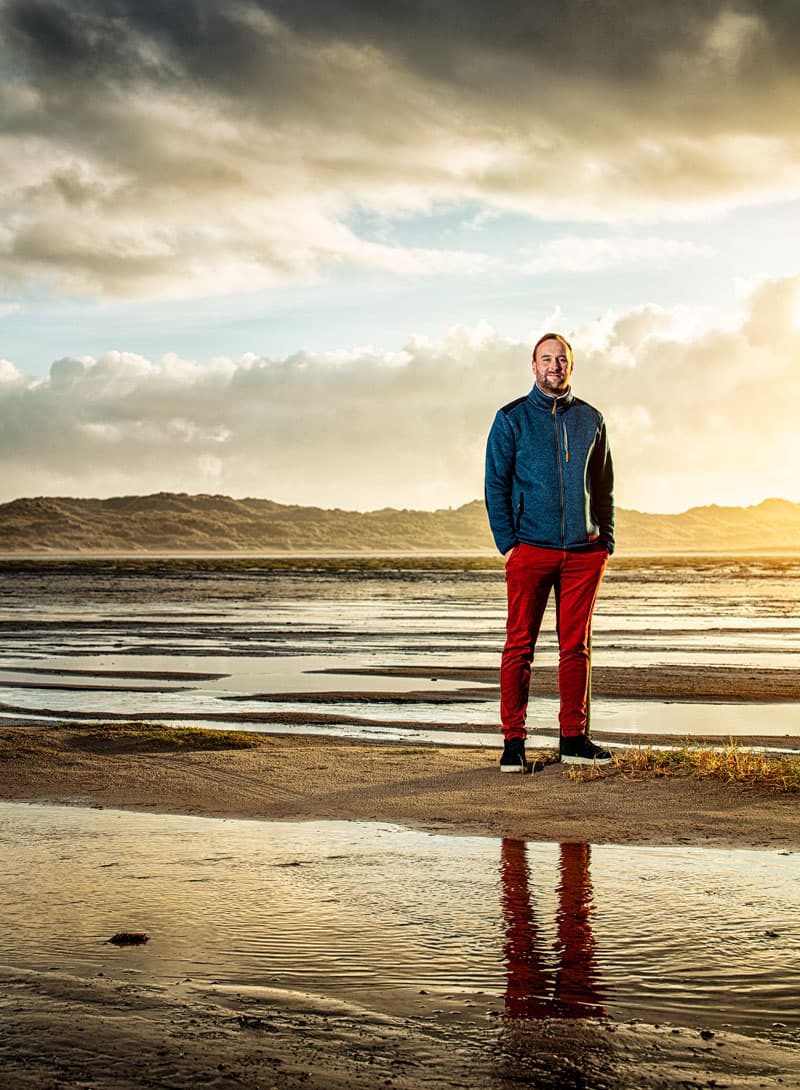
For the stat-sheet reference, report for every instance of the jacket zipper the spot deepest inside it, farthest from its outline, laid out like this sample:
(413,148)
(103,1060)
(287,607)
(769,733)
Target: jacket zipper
(560,473)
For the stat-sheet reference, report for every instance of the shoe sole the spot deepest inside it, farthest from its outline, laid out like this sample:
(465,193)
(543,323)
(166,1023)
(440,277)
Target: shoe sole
(525,768)
(586,760)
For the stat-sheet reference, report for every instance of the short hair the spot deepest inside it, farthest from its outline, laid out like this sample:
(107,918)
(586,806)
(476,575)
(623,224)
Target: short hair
(554,337)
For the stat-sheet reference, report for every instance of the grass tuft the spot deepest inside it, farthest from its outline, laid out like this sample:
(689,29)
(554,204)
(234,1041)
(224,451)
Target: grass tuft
(730,764)
(129,737)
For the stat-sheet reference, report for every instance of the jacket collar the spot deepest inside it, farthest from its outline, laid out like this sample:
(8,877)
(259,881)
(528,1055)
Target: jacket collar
(543,401)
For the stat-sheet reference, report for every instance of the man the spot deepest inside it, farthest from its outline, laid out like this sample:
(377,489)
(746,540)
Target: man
(550,501)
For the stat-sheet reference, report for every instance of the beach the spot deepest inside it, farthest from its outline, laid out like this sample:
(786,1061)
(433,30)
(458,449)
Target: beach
(111,1031)
(364,699)
(456,789)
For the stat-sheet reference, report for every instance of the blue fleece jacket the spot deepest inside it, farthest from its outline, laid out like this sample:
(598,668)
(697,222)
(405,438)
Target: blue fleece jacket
(549,474)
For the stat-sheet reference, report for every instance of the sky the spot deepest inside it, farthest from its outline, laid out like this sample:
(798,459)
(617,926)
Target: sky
(302,250)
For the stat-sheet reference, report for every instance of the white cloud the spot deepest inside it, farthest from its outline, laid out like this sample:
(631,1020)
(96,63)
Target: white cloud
(8,372)
(693,419)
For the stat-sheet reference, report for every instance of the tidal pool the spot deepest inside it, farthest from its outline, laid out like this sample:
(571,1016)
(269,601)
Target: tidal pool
(396,918)
(293,644)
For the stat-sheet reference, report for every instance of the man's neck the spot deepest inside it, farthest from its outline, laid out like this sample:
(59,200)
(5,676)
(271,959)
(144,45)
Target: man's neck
(552,396)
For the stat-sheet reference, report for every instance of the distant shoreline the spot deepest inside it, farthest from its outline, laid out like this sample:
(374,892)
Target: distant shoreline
(366,554)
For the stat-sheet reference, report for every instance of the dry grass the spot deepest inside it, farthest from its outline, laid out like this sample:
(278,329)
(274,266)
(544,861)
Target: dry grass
(730,764)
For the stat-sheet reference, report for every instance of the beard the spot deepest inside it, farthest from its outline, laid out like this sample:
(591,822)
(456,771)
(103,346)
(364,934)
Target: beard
(555,386)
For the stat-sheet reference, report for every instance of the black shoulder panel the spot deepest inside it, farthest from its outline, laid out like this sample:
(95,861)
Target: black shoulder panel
(579,403)
(513,404)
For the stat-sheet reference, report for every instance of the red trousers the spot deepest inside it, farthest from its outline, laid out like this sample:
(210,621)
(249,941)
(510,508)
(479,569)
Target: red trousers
(531,573)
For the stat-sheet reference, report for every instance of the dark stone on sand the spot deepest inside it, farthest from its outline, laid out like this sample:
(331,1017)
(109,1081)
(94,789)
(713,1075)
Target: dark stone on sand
(129,938)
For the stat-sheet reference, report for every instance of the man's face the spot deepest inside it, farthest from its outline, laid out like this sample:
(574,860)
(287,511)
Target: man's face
(552,367)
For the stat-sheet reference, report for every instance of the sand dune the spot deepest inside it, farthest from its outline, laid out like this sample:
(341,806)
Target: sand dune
(177,522)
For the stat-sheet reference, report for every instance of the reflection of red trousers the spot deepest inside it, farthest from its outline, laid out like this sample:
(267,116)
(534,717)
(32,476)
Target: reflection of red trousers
(531,573)
(535,986)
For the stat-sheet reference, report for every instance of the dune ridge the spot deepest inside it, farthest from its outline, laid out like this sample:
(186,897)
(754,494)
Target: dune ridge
(179,522)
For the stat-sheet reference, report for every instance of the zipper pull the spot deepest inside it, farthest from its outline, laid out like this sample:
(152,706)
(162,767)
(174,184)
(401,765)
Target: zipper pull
(566,443)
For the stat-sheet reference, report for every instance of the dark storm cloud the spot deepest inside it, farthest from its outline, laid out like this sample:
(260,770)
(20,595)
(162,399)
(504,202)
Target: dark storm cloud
(75,42)
(192,146)
(69,43)
(622,40)
(581,35)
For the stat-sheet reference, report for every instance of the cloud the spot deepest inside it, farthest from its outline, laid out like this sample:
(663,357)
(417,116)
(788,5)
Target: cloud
(210,146)
(8,372)
(708,417)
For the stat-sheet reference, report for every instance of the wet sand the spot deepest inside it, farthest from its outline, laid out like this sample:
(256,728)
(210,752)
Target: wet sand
(367,700)
(115,1035)
(126,1033)
(723,683)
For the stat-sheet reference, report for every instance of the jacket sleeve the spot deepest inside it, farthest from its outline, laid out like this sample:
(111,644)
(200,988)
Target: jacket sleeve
(601,481)
(500,458)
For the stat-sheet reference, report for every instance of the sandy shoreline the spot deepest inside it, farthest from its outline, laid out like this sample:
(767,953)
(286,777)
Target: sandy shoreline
(120,1032)
(456,790)
(121,1035)
(128,1028)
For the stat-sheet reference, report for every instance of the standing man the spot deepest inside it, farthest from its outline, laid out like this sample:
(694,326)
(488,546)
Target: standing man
(550,500)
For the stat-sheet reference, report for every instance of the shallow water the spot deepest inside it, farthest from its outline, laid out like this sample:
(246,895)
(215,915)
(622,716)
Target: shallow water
(264,627)
(380,914)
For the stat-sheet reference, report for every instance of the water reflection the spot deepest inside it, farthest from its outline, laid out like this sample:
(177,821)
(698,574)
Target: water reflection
(539,985)
(403,921)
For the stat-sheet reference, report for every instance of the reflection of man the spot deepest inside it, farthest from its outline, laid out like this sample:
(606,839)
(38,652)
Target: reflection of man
(550,501)
(534,988)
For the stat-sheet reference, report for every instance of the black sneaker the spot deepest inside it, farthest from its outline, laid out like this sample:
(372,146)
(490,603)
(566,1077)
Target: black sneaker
(513,759)
(581,750)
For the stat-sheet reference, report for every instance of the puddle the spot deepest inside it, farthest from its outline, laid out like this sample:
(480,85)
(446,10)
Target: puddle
(381,914)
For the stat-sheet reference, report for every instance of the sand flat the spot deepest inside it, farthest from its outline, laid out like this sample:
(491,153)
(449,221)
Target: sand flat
(434,788)
(129,1034)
